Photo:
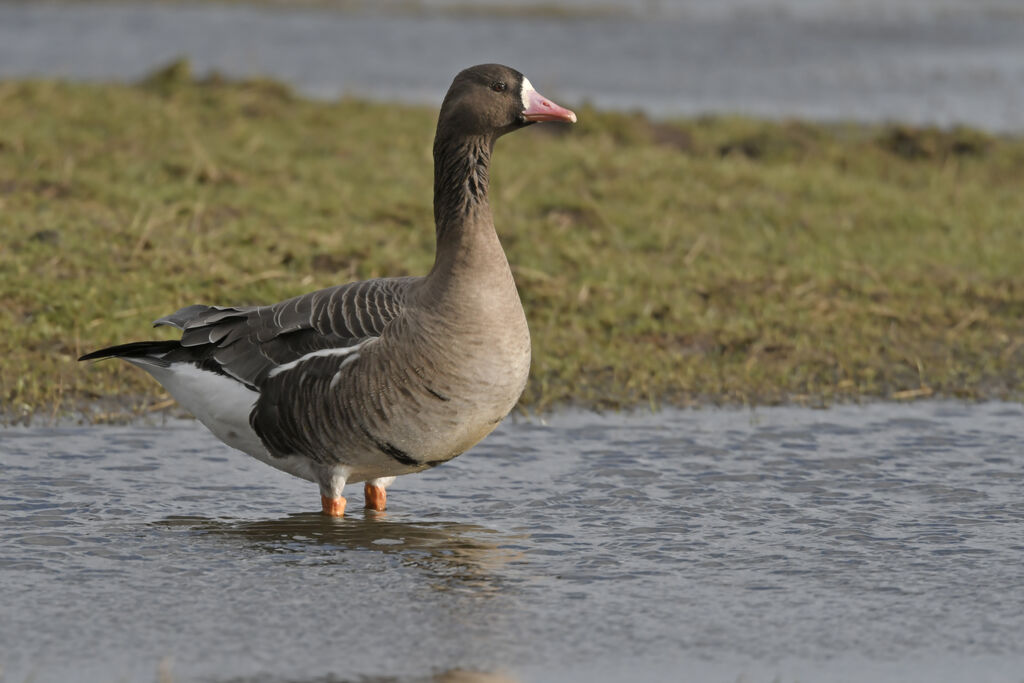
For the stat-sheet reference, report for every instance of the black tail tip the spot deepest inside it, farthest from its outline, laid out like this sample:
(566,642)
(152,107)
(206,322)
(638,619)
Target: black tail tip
(132,350)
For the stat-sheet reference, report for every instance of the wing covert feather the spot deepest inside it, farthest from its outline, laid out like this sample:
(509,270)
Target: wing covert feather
(247,342)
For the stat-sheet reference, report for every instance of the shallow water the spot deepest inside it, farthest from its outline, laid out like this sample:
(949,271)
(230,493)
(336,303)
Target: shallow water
(854,544)
(921,61)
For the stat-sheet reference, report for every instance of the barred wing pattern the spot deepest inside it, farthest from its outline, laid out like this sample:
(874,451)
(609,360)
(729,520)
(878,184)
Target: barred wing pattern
(248,343)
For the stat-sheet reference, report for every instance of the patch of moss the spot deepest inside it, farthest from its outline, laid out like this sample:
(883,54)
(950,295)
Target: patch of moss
(709,260)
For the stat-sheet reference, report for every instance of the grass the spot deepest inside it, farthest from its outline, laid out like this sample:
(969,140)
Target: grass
(710,260)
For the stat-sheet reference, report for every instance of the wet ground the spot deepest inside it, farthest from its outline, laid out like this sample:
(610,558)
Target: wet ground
(854,544)
(919,61)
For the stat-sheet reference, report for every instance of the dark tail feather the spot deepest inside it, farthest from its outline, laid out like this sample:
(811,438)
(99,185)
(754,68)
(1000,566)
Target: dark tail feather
(143,349)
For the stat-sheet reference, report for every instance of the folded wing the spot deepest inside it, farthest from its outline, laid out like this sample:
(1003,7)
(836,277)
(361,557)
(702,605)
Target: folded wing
(248,343)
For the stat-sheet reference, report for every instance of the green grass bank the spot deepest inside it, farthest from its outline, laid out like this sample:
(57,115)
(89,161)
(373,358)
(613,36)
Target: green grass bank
(696,261)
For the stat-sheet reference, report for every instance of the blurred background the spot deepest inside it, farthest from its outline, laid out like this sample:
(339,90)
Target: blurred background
(939,62)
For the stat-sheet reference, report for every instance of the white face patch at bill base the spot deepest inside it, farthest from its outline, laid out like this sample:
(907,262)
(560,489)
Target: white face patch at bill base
(525,90)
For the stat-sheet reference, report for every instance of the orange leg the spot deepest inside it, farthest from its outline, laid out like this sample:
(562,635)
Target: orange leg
(333,507)
(376,497)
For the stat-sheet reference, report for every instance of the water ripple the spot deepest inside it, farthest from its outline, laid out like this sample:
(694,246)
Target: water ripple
(769,541)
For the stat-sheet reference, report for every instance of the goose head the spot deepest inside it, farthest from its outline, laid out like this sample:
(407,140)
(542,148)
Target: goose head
(490,100)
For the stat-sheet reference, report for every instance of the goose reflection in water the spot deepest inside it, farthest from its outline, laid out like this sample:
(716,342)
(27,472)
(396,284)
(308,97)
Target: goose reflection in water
(465,553)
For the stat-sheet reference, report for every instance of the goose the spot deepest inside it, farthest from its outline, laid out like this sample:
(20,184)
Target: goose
(367,381)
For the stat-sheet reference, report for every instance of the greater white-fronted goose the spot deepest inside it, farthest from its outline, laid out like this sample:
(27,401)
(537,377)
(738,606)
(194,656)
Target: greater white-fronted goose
(369,380)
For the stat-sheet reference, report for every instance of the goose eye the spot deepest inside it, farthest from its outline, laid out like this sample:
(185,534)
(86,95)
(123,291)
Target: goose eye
(499,86)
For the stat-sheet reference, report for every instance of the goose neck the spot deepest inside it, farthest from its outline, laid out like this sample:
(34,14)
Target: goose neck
(461,184)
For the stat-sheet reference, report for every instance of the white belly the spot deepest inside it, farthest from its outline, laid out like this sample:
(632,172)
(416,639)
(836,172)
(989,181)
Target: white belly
(223,405)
